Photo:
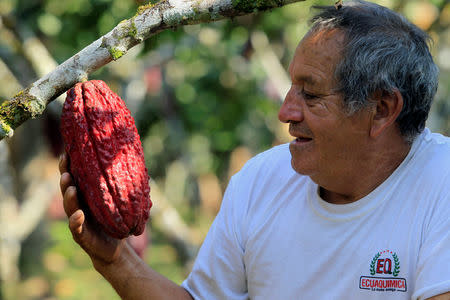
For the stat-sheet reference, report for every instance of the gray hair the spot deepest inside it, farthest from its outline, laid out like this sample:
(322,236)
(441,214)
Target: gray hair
(383,52)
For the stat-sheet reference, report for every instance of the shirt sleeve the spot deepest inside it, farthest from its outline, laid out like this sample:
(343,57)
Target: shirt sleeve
(218,271)
(433,268)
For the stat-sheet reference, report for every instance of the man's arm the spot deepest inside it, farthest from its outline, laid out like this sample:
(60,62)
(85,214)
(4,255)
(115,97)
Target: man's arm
(113,258)
(445,296)
(133,279)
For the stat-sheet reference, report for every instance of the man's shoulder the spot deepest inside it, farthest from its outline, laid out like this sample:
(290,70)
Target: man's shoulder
(277,158)
(436,140)
(267,180)
(430,163)
(269,168)
(276,152)
(433,152)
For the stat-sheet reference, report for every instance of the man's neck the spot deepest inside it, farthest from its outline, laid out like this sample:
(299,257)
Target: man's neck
(367,175)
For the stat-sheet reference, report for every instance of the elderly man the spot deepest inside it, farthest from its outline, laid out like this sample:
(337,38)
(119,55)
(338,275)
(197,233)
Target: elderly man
(357,206)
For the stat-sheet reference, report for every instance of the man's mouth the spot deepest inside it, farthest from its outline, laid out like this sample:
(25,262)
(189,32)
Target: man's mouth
(303,140)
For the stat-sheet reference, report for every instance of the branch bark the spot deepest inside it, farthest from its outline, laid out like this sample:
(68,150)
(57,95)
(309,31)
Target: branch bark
(150,20)
(36,54)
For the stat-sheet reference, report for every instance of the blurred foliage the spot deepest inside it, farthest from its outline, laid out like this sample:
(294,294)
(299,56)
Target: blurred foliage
(197,93)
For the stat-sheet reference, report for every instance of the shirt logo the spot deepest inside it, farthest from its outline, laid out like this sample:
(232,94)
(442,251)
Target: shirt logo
(384,270)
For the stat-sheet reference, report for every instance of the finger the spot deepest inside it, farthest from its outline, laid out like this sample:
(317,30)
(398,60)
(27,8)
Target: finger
(70,201)
(76,222)
(65,181)
(63,163)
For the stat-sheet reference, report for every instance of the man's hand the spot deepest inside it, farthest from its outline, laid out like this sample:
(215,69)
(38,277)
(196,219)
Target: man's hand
(100,247)
(114,259)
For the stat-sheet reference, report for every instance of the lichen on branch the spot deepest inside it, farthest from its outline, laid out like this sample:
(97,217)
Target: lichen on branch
(22,107)
(256,5)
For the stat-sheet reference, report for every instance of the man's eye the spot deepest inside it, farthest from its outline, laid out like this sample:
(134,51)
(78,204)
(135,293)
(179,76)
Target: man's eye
(308,96)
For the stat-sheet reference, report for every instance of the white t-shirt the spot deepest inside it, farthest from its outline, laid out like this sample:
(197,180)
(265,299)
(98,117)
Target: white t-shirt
(275,238)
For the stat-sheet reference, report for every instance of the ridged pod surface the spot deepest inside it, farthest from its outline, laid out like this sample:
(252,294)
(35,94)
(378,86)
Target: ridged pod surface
(106,158)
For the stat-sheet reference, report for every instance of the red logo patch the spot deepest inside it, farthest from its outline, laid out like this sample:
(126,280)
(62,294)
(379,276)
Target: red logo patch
(384,263)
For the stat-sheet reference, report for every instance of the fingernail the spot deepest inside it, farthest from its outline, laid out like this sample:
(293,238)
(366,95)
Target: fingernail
(77,214)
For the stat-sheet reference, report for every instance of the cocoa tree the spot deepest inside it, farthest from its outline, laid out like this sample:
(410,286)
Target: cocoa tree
(149,20)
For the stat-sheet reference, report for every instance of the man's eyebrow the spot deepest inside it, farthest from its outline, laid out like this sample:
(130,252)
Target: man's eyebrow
(308,79)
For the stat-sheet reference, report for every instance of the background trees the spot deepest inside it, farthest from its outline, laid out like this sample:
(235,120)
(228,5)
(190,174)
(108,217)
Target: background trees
(205,99)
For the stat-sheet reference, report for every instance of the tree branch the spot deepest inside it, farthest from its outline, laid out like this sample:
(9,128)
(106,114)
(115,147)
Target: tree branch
(150,20)
(36,54)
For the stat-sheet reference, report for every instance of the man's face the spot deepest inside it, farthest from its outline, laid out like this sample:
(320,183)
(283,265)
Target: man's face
(327,140)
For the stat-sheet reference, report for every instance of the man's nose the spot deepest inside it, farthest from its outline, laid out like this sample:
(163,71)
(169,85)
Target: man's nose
(291,110)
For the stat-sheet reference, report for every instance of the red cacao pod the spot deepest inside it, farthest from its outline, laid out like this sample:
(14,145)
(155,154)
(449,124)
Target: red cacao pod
(106,158)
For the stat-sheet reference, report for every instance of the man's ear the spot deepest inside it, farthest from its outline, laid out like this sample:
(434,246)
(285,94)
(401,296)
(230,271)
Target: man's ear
(388,107)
